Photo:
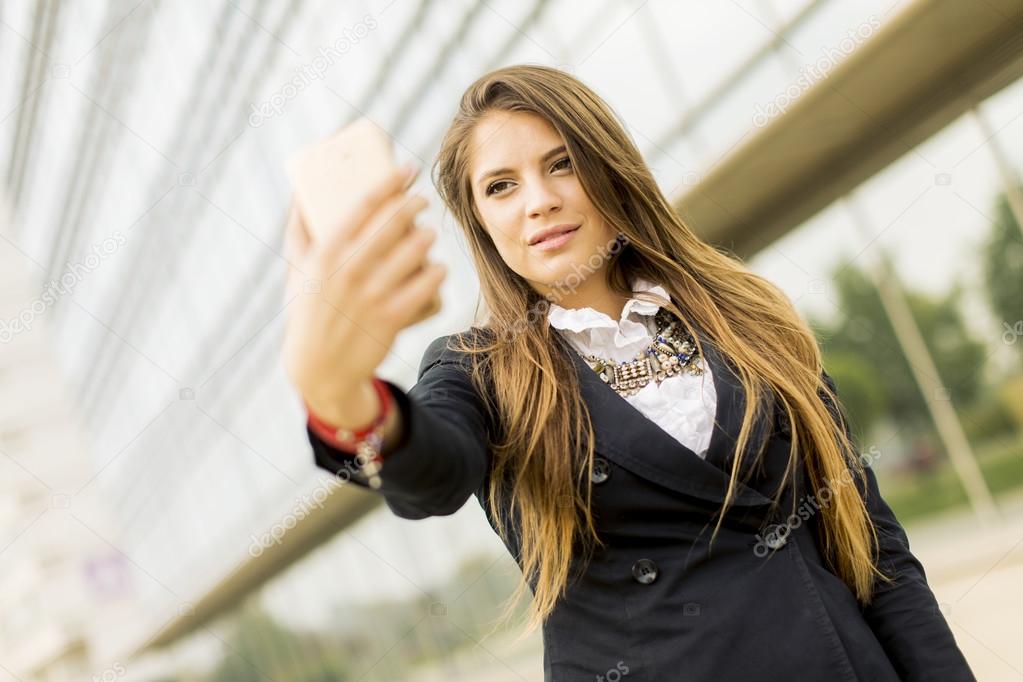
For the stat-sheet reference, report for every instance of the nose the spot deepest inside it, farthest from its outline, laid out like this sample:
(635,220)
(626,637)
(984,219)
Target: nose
(541,199)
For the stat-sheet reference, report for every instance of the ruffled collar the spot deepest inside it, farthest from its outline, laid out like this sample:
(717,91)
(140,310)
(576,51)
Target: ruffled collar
(591,331)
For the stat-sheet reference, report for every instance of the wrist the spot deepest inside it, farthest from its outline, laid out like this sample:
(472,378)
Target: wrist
(366,440)
(350,408)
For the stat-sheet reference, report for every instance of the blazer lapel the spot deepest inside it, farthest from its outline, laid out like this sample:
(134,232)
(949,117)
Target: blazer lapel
(630,439)
(731,405)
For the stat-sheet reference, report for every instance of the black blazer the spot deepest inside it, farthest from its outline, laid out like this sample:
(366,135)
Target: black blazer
(657,603)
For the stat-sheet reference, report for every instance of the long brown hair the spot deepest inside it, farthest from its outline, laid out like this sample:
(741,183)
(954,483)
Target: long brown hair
(535,390)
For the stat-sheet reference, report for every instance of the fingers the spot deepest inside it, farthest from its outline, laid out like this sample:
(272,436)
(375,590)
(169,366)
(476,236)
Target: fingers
(415,297)
(375,244)
(412,177)
(407,257)
(297,243)
(433,306)
(395,223)
(367,207)
(297,240)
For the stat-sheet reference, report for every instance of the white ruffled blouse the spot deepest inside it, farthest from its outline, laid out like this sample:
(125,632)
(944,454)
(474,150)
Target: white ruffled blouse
(683,405)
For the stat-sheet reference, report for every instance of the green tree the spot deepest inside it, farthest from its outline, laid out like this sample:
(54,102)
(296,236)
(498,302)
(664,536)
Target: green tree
(1003,269)
(863,356)
(261,648)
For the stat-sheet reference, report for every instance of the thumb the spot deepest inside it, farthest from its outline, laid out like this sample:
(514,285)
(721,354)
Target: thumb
(297,244)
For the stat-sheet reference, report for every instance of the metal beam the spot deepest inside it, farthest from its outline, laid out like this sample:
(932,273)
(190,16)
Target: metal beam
(341,509)
(891,94)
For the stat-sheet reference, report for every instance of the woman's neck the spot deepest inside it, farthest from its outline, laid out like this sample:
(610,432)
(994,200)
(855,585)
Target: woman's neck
(592,293)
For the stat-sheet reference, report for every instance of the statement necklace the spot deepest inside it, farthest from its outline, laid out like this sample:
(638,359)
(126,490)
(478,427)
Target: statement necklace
(671,352)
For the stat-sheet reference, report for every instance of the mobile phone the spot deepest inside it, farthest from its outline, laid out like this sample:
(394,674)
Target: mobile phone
(329,178)
(332,176)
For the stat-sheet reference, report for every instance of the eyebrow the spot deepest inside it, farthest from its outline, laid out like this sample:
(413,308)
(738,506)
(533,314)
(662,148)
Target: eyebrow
(502,171)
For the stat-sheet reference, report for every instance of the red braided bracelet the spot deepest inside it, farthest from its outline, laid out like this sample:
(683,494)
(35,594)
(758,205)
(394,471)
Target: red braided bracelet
(364,443)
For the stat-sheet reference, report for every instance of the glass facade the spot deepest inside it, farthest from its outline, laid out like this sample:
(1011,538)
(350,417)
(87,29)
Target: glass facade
(160,447)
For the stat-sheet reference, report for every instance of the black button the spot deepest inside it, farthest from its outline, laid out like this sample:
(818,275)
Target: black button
(777,536)
(644,571)
(601,470)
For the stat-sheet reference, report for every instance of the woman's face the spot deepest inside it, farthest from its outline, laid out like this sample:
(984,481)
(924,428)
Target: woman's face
(523,184)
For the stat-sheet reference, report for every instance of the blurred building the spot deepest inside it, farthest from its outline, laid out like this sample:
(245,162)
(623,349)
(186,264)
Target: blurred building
(160,516)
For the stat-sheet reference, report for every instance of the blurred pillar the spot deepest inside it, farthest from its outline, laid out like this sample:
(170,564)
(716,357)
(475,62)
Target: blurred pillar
(925,373)
(1010,182)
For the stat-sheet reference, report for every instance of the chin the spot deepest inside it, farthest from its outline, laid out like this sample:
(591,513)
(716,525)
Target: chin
(567,276)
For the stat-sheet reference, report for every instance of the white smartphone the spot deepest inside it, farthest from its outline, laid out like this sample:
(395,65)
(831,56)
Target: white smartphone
(331,176)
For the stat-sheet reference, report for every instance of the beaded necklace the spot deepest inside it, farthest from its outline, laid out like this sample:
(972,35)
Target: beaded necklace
(671,352)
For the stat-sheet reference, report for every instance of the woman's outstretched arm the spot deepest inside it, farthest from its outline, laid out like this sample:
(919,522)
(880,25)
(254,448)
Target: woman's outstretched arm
(438,455)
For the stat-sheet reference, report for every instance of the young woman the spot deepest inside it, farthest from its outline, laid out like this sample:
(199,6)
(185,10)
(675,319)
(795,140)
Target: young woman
(646,423)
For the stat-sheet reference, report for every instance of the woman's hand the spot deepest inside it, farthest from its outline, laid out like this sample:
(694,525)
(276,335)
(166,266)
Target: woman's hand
(349,296)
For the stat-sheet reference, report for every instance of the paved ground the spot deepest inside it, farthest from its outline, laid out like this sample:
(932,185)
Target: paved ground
(977,576)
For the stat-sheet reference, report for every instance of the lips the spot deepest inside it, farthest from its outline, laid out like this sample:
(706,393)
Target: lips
(550,233)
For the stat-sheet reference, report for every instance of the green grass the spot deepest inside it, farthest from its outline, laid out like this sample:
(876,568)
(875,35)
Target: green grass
(1001,463)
